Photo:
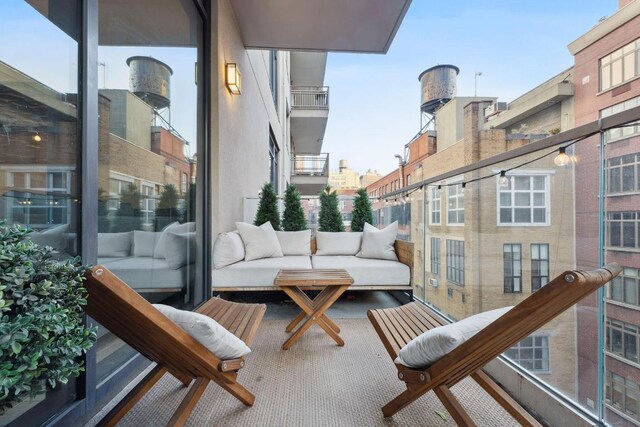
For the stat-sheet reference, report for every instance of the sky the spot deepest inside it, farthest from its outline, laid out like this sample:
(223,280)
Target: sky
(516,44)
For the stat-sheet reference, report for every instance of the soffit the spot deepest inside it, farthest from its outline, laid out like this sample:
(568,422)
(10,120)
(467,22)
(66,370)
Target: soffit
(366,26)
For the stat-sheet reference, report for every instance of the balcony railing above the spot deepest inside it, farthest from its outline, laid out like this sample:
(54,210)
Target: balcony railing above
(310,97)
(310,165)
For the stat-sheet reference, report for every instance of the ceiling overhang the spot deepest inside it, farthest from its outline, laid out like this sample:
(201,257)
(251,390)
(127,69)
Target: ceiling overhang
(364,26)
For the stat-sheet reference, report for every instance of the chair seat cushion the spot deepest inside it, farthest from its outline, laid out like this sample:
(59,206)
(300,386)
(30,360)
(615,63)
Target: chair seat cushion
(207,332)
(431,345)
(260,272)
(365,271)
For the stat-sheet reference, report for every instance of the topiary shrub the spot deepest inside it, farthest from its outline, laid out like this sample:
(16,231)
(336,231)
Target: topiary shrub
(268,207)
(361,211)
(293,218)
(329,218)
(42,335)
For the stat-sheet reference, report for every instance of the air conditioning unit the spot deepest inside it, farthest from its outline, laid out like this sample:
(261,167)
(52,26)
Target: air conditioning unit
(433,282)
(495,108)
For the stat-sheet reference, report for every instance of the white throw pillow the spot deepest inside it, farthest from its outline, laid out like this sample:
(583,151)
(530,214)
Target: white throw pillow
(295,242)
(180,249)
(339,243)
(227,249)
(259,242)
(207,332)
(114,244)
(378,244)
(430,346)
(144,242)
(158,251)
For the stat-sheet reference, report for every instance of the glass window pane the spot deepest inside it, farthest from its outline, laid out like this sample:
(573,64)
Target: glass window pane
(522,199)
(538,199)
(505,199)
(505,216)
(539,215)
(521,182)
(522,215)
(538,183)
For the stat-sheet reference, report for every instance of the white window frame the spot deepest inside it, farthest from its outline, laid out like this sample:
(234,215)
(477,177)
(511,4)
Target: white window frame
(455,183)
(433,202)
(547,199)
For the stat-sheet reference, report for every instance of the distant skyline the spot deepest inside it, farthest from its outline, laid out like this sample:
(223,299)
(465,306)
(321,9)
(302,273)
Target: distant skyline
(517,45)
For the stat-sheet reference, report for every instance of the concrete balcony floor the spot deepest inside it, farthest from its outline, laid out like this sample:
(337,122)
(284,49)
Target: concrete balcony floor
(315,383)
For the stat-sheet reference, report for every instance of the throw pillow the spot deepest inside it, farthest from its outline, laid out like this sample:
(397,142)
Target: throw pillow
(259,242)
(180,249)
(339,243)
(378,244)
(158,251)
(144,242)
(207,332)
(114,244)
(430,346)
(228,249)
(295,242)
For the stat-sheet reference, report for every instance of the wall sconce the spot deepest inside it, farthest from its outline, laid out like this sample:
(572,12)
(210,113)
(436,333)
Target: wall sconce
(233,78)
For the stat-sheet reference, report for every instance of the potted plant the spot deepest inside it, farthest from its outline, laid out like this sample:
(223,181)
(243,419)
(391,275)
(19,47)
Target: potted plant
(42,335)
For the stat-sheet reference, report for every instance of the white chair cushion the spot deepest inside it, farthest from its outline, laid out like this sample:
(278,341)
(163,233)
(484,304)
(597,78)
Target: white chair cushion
(114,244)
(227,249)
(295,242)
(158,251)
(339,243)
(259,242)
(180,249)
(378,244)
(144,242)
(207,332)
(430,346)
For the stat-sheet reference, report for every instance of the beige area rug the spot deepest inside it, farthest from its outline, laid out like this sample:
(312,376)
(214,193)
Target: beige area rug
(315,383)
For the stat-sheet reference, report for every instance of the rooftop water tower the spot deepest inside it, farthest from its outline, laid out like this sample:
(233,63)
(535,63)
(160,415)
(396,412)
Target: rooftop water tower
(438,86)
(150,80)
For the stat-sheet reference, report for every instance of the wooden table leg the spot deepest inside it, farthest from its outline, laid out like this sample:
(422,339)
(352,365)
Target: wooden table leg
(295,321)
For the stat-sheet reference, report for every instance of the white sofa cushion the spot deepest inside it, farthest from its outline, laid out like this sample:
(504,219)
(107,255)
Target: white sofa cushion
(259,242)
(207,332)
(114,244)
(149,273)
(378,244)
(340,243)
(365,271)
(56,237)
(144,242)
(228,249)
(431,345)
(295,242)
(260,272)
(180,248)
(158,250)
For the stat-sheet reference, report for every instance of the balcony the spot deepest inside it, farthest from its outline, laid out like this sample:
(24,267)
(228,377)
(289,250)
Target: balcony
(310,172)
(309,113)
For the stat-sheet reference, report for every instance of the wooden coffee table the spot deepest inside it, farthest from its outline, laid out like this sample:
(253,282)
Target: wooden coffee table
(332,283)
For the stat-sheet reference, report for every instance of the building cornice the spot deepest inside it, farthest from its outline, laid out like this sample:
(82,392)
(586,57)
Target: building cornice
(621,17)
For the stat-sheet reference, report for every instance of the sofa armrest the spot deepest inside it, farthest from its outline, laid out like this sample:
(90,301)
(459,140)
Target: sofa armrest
(404,251)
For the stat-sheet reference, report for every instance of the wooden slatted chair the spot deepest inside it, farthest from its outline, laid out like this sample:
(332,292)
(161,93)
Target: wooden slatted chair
(130,317)
(397,326)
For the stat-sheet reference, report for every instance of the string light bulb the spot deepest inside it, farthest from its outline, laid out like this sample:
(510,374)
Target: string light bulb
(37,137)
(504,180)
(562,159)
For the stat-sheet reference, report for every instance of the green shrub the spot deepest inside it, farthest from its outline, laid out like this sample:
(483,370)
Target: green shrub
(268,207)
(293,218)
(361,211)
(42,335)
(329,218)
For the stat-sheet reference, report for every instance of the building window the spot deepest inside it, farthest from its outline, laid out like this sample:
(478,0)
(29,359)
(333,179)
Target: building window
(455,204)
(628,129)
(619,66)
(435,255)
(117,187)
(525,201)
(539,265)
(532,353)
(455,261)
(512,256)
(435,206)
(148,193)
(273,75)
(622,394)
(273,160)
(623,174)
(622,339)
(624,288)
(622,229)
(185,183)
(450,293)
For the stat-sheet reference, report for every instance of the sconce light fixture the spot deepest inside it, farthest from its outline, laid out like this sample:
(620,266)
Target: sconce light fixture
(233,78)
